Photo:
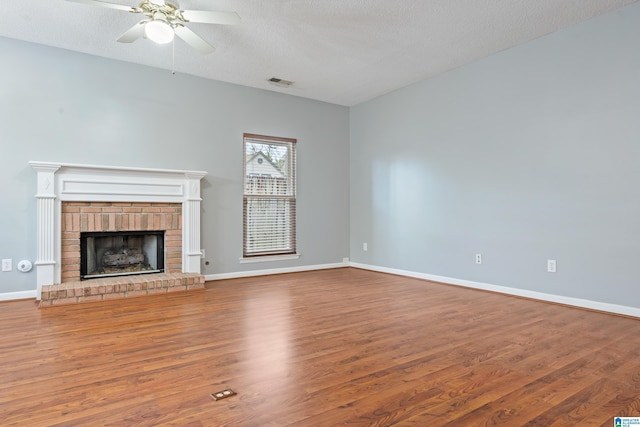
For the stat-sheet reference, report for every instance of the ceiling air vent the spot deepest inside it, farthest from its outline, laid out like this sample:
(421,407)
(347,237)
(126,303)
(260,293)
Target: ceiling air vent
(280,82)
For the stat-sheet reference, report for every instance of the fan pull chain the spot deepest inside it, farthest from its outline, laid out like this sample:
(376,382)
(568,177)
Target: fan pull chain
(173,56)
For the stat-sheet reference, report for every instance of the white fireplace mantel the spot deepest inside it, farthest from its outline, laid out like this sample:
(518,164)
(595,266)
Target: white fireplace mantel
(58,182)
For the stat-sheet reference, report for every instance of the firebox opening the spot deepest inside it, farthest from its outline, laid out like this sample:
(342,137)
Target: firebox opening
(121,253)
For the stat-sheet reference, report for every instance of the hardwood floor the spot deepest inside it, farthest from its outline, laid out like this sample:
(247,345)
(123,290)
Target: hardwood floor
(327,348)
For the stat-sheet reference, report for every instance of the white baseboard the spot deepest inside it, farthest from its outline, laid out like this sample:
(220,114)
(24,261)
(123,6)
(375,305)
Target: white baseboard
(269,271)
(576,302)
(9,296)
(345,263)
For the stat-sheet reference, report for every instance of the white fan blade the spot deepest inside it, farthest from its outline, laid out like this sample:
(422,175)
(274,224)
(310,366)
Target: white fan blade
(106,4)
(193,40)
(211,17)
(133,33)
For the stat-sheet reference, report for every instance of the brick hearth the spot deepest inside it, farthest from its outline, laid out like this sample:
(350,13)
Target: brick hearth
(119,287)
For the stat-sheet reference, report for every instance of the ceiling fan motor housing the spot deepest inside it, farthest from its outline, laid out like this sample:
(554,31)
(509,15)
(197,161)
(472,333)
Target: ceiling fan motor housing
(166,11)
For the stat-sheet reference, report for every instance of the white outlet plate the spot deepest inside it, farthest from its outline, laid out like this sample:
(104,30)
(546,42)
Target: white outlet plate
(551,265)
(365,247)
(478,258)
(7,265)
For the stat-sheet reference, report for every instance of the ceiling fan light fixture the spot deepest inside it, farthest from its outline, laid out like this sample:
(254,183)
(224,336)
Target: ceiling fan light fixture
(163,21)
(159,31)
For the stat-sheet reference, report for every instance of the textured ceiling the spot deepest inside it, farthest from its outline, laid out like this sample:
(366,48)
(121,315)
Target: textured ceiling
(339,51)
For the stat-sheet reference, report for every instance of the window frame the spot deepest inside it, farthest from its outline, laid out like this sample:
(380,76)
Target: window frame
(290,234)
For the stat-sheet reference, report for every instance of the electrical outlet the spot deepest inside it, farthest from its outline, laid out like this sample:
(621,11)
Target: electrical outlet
(365,247)
(7,265)
(202,253)
(551,265)
(478,258)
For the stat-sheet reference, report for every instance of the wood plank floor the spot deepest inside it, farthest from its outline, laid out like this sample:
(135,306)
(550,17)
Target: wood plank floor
(327,348)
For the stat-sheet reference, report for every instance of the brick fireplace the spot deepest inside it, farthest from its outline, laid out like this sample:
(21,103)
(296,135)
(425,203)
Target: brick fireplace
(73,199)
(82,217)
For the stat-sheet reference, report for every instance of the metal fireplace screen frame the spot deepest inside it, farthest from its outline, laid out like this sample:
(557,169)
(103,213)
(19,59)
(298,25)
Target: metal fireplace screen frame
(121,253)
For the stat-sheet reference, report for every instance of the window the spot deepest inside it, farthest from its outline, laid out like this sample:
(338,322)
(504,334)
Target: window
(269,201)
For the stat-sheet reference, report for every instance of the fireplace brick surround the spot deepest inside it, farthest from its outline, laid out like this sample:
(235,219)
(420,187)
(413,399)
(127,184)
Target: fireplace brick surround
(75,198)
(79,217)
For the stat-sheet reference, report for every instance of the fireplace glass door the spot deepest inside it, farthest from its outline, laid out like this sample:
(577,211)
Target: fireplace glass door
(121,253)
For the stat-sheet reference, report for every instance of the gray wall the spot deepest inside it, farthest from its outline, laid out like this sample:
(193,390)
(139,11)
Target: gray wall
(61,106)
(528,155)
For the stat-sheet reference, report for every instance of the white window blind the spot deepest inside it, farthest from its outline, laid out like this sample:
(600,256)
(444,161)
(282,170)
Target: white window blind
(269,213)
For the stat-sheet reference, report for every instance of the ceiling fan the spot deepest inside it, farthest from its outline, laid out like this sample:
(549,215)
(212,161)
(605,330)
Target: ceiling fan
(165,19)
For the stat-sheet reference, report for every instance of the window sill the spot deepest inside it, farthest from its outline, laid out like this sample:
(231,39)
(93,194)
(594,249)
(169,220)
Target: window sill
(268,258)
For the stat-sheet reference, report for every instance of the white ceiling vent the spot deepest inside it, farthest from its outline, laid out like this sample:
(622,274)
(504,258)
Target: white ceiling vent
(280,82)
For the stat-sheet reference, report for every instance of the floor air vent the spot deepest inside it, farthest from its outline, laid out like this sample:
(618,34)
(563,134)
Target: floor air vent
(223,394)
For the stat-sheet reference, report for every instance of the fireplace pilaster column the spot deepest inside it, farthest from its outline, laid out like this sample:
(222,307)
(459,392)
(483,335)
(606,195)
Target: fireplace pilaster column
(46,224)
(192,252)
